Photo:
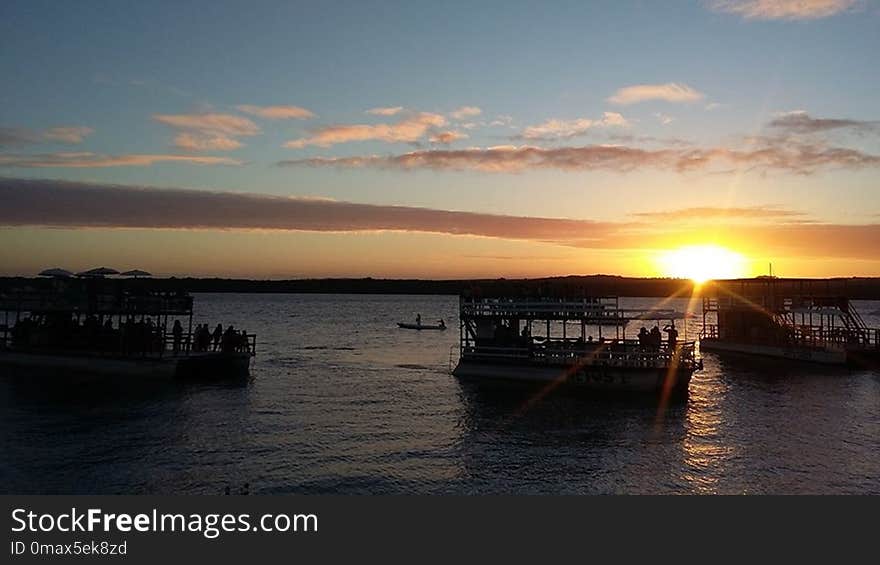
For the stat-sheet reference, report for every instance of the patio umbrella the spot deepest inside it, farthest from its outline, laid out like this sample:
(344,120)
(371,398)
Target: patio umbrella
(57,273)
(136,273)
(99,272)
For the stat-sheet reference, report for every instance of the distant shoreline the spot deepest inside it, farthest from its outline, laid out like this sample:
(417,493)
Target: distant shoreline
(590,285)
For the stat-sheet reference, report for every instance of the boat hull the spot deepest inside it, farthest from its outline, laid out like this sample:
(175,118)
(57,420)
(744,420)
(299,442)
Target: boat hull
(825,357)
(197,366)
(590,377)
(406,326)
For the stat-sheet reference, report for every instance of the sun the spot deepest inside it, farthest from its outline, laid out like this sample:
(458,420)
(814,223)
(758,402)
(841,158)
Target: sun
(701,263)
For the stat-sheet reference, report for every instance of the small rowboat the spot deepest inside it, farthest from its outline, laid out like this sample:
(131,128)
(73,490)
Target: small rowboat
(407,326)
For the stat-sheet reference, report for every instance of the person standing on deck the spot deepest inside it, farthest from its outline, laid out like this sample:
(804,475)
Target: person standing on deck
(218,334)
(656,337)
(177,332)
(673,335)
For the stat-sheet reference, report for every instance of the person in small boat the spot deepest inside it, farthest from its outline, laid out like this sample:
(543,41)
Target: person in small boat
(672,335)
(218,335)
(442,323)
(177,332)
(418,319)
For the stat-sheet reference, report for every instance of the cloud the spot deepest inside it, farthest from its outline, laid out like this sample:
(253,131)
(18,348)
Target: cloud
(277,112)
(408,130)
(465,112)
(670,92)
(11,137)
(566,129)
(82,160)
(712,213)
(783,9)
(502,120)
(208,131)
(788,156)
(227,124)
(53,203)
(801,122)
(447,137)
(387,111)
(198,142)
(77,204)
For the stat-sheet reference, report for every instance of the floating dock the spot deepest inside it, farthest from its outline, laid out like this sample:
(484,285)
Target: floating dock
(551,341)
(797,319)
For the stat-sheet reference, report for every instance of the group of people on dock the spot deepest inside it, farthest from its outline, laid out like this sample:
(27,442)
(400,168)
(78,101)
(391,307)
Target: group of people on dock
(653,339)
(227,341)
(129,336)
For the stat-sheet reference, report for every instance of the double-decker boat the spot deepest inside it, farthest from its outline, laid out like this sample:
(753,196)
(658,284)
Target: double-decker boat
(119,328)
(809,320)
(550,341)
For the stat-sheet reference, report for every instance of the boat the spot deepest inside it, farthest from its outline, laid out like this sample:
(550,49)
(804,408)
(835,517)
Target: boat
(408,326)
(115,328)
(809,320)
(550,342)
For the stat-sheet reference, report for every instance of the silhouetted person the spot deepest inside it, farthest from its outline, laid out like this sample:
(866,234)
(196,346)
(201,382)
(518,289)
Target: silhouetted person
(218,335)
(442,323)
(643,337)
(177,332)
(656,337)
(673,335)
(227,342)
(418,319)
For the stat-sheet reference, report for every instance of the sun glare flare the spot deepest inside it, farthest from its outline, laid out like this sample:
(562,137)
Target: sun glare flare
(701,263)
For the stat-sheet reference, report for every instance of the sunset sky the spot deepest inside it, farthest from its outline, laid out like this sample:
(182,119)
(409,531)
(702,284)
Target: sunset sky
(440,139)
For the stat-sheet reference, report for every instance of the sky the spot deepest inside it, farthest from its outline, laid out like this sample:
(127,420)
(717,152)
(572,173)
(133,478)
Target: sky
(440,139)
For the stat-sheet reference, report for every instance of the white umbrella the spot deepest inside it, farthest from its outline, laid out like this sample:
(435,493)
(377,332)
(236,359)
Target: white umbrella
(99,272)
(136,273)
(57,273)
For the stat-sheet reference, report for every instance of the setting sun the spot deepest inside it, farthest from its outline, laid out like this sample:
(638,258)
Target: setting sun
(701,263)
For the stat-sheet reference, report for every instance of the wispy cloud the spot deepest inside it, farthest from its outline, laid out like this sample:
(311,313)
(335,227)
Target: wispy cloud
(84,160)
(566,129)
(789,157)
(664,119)
(713,213)
(12,137)
(783,9)
(385,111)
(39,202)
(801,122)
(205,142)
(447,137)
(408,130)
(208,131)
(669,92)
(277,112)
(465,112)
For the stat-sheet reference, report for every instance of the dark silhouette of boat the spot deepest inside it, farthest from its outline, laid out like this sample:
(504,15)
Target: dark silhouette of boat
(408,326)
(113,327)
(549,341)
(810,320)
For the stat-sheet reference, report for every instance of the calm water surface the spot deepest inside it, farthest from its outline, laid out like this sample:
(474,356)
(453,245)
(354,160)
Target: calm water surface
(341,401)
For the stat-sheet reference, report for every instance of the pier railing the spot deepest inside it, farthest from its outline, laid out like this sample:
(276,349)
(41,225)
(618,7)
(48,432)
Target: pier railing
(816,337)
(187,345)
(618,353)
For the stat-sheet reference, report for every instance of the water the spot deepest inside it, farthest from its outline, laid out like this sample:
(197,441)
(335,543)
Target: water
(341,401)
